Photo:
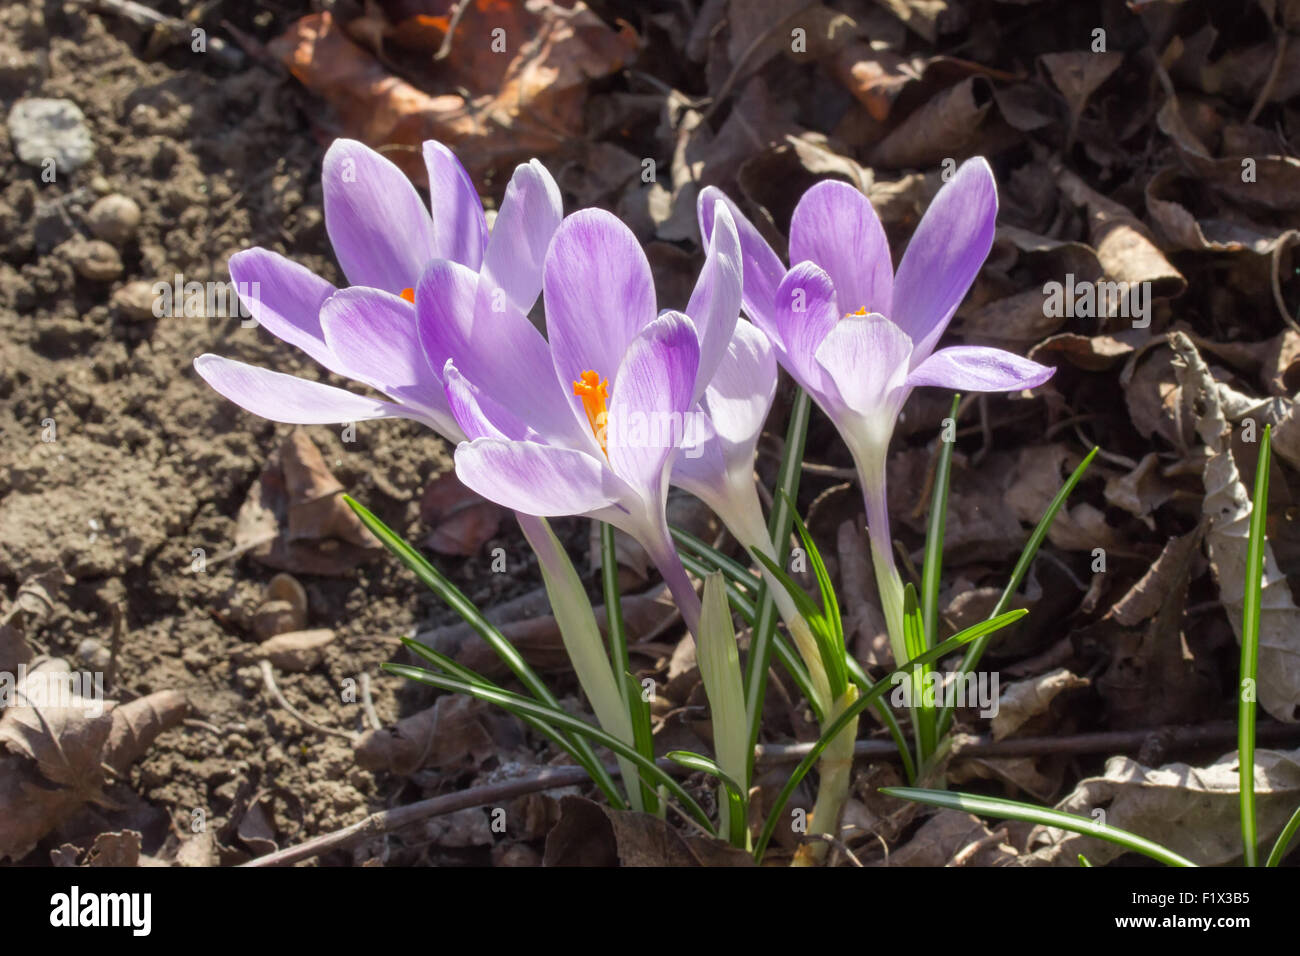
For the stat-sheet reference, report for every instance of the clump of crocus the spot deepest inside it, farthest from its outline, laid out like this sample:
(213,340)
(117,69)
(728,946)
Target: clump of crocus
(859,336)
(590,420)
(384,238)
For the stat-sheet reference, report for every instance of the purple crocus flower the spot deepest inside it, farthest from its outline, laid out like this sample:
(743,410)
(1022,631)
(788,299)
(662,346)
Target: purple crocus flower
(858,336)
(591,421)
(384,237)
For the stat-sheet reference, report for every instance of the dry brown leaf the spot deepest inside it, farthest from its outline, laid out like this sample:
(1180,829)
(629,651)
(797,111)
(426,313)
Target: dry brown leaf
(1023,700)
(589,834)
(949,126)
(1194,811)
(1227,505)
(294,518)
(451,735)
(463,521)
(53,745)
(1125,247)
(524,105)
(943,837)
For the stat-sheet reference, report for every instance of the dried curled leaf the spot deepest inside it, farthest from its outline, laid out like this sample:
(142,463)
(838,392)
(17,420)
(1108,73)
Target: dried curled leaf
(1227,505)
(1193,811)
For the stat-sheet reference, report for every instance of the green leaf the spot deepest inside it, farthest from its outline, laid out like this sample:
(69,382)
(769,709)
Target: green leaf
(732,569)
(809,611)
(832,646)
(976,651)
(737,805)
(739,599)
(450,595)
(520,705)
(1011,810)
(923,718)
(638,711)
(794,666)
(595,769)
(881,710)
(1284,839)
(760,645)
(642,738)
(932,568)
(851,713)
(1255,552)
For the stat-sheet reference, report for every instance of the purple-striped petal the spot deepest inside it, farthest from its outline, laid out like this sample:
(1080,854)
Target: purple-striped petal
(285,298)
(651,402)
(741,393)
(284,398)
(715,301)
(460,230)
(379,227)
(762,270)
(805,310)
(975,368)
(599,296)
(835,226)
(737,402)
(530,213)
(867,357)
(470,321)
(945,254)
(478,414)
(537,479)
(376,336)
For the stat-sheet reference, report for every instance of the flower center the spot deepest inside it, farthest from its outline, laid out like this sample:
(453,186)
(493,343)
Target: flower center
(861,311)
(409,295)
(594,393)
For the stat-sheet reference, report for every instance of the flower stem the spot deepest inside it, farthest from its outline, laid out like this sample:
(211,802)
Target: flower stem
(661,551)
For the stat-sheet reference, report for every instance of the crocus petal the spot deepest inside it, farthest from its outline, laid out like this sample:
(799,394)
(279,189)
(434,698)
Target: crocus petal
(835,226)
(377,338)
(762,269)
(478,414)
(741,393)
(377,223)
(599,296)
(715,302)
(285,298)
(945,254)
(737,402)
(529,215)
(650,403)
(974,368)
(867,357)
(537,479)
(805,310)
(469,320)
(284,398)
(460,231)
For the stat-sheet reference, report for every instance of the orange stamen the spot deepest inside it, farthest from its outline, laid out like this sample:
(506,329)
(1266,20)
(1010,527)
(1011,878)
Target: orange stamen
(861,311)
(409,295)
(594,393)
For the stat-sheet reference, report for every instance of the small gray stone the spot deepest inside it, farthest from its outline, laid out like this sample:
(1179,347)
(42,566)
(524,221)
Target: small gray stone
(114,218)
(43,129)
(93,259)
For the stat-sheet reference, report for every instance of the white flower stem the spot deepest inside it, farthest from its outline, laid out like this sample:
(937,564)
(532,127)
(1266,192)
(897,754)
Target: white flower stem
(583,642)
